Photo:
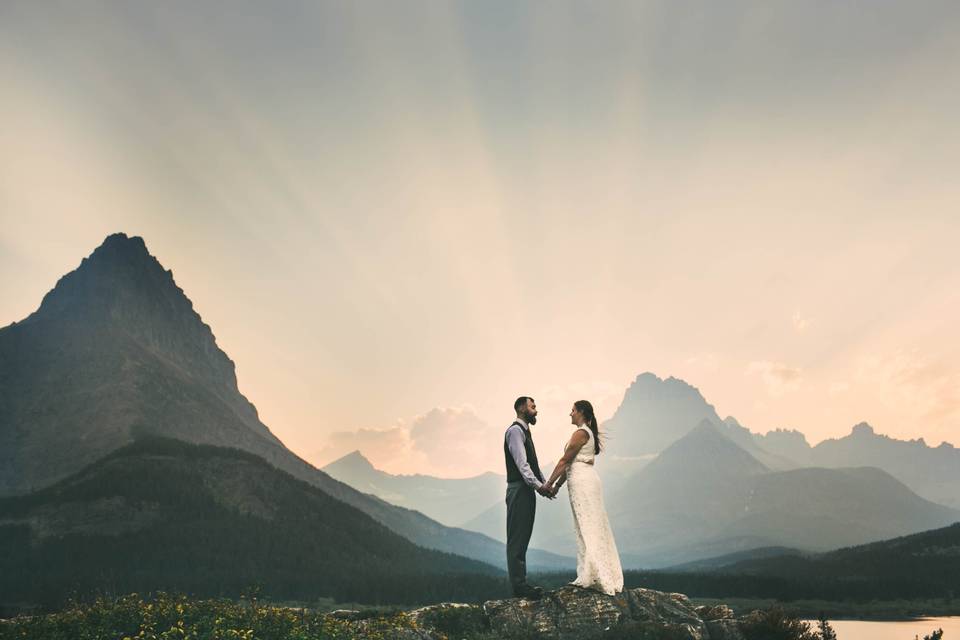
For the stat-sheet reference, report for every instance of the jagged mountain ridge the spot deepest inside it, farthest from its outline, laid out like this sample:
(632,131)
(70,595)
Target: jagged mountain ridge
(933,472)
(702,523)
(656,412)
(705,496)
(115,352)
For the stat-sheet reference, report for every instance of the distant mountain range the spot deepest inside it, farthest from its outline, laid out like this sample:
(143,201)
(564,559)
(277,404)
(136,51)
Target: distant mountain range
(116,352)
(718,488)
(704,496)
(457,501)
(656,412)
(933,472)
(448,501)
(164,514)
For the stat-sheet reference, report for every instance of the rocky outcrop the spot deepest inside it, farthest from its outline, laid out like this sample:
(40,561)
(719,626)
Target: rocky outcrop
(575,613)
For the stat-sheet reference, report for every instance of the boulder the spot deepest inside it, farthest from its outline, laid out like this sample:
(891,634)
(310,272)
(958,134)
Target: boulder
(573,612)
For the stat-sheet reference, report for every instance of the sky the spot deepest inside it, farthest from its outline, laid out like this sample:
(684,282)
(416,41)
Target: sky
(397,217)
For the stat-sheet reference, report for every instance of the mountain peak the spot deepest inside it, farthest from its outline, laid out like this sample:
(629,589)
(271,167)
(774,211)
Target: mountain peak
(353,462)
(130,252)
(707,430)
(648,382)
(654,413)
(120,274)
(121,242)
(356,457)
(650,379)
(862,429)
(706,448)
(121,291)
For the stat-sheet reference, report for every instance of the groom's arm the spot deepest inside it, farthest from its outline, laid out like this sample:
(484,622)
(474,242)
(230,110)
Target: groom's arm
(515,445)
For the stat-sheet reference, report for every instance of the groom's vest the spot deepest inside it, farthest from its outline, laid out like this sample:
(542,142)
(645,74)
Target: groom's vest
(513,473)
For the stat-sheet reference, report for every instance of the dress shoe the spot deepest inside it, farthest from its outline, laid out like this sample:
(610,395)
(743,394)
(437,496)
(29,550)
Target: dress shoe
(528,591)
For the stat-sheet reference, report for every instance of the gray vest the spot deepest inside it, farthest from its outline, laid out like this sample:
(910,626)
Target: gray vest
(513,473)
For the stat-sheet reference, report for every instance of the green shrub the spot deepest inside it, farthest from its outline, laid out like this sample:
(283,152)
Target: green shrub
(826,631)
(775,624)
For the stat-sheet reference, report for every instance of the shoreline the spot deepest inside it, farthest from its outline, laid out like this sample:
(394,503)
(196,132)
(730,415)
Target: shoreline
(875,611)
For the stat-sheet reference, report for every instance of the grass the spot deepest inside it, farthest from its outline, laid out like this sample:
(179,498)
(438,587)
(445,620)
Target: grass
(165,616)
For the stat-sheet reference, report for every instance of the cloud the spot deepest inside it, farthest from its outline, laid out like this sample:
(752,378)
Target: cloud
(386,447)
(918,385)
(778,377)
(456,442)
(446,441)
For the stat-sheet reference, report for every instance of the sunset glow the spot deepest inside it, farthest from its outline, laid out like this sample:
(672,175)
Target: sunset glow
(396,219)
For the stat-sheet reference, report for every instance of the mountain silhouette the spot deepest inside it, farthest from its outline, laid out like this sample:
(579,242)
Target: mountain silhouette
(656,412)
(933,472)
(705,496)
(116,352)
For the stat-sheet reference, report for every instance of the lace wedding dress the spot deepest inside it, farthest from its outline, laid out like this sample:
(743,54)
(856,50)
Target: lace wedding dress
(598,563)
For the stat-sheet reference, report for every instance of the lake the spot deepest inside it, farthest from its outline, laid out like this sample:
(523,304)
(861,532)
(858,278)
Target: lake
(895,629)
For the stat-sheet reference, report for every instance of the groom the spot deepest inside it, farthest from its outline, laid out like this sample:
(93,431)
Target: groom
(523,479)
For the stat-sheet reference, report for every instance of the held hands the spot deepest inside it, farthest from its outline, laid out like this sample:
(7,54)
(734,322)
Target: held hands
(548,491)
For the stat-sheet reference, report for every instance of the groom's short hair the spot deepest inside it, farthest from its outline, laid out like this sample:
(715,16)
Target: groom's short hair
(520,402)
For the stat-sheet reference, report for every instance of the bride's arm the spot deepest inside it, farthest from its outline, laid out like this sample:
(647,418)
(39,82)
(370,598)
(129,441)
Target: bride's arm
(577,440)
(560,481)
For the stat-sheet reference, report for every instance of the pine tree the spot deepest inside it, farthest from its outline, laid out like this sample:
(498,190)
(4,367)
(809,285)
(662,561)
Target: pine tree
(826,631)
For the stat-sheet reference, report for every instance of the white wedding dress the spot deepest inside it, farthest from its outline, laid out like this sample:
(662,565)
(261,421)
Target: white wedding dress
(598,563)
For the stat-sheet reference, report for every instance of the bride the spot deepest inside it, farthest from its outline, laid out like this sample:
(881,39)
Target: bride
(598,564)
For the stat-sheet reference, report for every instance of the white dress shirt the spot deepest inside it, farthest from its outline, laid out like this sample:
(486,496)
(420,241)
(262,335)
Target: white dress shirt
(515,437)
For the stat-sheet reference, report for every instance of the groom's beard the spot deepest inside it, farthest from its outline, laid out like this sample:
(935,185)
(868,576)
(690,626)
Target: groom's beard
(532,420)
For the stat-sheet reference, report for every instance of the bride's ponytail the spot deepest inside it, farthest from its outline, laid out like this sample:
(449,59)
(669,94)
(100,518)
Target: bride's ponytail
(586,409)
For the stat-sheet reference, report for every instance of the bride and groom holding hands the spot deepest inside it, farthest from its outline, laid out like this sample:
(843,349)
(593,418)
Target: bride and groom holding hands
(598,564)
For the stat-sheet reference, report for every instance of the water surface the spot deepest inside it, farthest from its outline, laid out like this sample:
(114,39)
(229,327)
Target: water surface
(895,629)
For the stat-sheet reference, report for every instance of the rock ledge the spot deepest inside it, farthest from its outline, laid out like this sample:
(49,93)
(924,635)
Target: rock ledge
(571,612)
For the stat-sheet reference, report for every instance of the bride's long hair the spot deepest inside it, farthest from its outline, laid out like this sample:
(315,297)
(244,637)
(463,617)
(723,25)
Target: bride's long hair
(584,407)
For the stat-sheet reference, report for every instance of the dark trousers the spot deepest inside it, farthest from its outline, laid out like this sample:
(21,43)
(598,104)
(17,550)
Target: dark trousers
(521,509)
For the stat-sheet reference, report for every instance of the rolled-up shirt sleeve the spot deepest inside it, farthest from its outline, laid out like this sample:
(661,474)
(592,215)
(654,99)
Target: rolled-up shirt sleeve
(515,439)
